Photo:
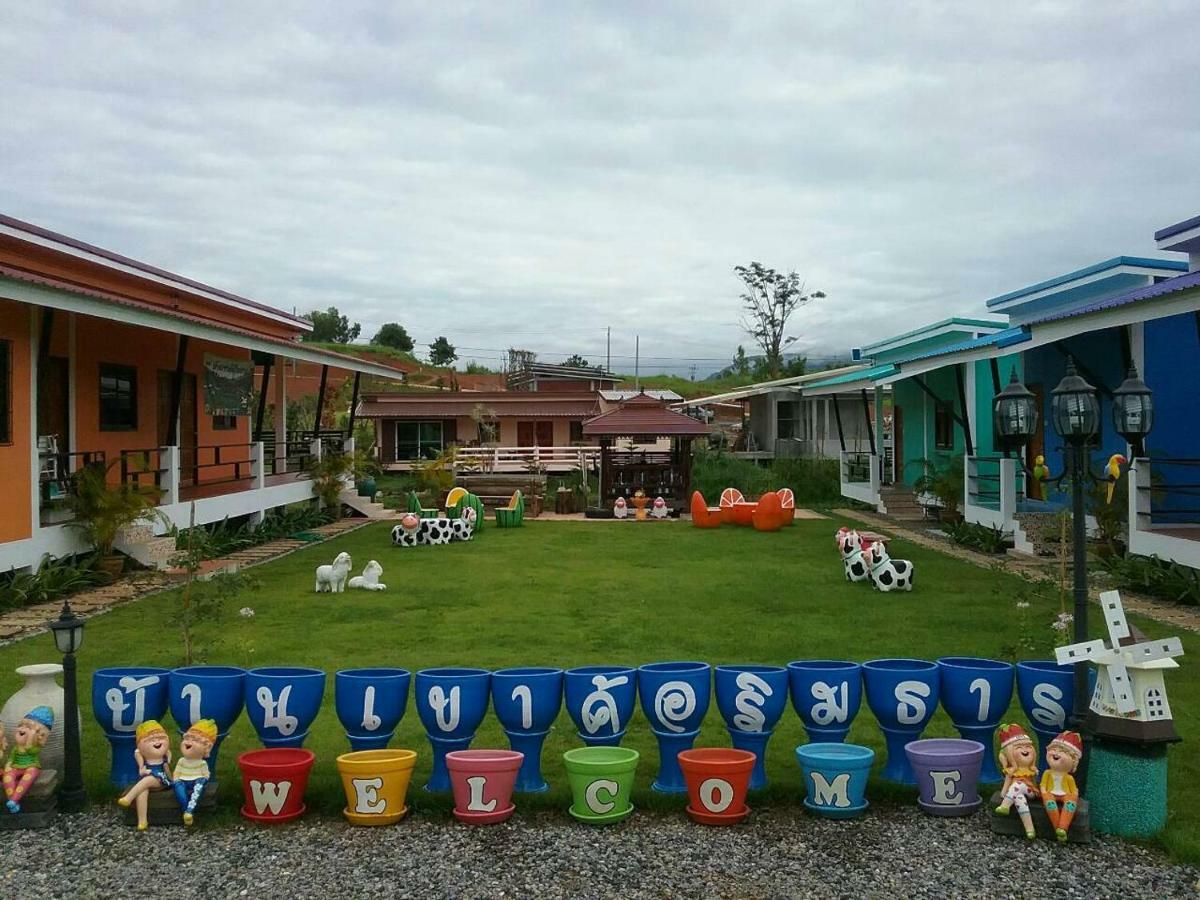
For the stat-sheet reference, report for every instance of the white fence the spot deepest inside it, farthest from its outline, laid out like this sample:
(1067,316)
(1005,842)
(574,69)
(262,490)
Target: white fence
(526,459)
(860,477)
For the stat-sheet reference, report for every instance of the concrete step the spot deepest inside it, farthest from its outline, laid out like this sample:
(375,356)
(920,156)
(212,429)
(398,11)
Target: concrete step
(152,552)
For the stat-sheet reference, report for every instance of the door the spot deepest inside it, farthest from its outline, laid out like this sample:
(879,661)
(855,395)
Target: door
(1036,446)
(187,422)
(53,418)
(545,434)
(526,434)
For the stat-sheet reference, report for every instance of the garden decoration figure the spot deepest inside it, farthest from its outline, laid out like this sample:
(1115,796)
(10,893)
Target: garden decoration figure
(414,531)
(1041,472)
(1060,795)
(1018,762)
(620,508)
(853,559)
(888,574)
(332,578)
(1112,472)
(369,579)
(191,771)
(639,502)
(462,529)
(659,510)
(25,763)
(153,756)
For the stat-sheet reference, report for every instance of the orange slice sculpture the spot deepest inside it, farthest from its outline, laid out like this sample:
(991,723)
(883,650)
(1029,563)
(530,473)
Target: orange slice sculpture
(767,514)
(787,504)
(704,516)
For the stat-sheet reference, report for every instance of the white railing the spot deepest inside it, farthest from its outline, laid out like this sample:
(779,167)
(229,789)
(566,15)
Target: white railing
(526,459)
(860,477)
(1178,543)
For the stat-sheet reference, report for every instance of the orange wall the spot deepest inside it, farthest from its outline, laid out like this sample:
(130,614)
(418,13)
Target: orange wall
(16,460)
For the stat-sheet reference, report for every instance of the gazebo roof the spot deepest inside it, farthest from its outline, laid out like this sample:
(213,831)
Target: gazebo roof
(644,415)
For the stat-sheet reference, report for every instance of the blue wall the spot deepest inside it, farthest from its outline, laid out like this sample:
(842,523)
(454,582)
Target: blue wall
(1172,354)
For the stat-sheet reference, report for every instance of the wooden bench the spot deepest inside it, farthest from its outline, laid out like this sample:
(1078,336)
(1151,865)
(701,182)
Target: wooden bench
(496,490)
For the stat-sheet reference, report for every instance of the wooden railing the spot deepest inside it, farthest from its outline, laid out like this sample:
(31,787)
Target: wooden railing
(222,463)
(56,481)
(142,468)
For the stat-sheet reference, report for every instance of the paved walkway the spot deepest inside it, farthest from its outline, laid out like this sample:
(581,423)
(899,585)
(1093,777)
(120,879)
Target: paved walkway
(34,619)
(1029,568)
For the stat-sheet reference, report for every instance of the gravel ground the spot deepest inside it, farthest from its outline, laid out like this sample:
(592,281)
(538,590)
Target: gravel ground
(897,852)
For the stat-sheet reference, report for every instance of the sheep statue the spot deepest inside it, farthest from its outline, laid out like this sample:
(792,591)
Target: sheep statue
(369,579)
(332,578)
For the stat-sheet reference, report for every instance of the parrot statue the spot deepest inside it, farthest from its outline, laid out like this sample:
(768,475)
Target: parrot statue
(1040,470)
(1113,470)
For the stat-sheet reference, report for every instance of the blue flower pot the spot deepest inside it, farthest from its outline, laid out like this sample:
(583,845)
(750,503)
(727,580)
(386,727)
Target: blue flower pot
(976,693)
(122,699)
(1047,694)
(282,702)
(903,695)
(207,692)
(675,697)
(370,704)
(451,703)
(835,778)
(826,694)
(600,701)
(527,701)
(751,699)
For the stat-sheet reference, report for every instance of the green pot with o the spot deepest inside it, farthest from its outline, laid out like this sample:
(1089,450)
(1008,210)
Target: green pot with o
(601,783)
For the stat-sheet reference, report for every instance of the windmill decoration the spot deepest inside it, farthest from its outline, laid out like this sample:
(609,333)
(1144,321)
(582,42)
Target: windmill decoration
(1130,699)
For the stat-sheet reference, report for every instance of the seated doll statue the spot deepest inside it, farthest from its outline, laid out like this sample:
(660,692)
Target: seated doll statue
(153,756)
(191,771)
(1060,796)
(1018,762)
(25,763)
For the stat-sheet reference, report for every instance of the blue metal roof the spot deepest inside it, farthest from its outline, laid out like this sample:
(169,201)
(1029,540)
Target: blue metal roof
(872,374)
(1177,228)
(931,327)
(1006,338)
(1117,261)
(1172,285)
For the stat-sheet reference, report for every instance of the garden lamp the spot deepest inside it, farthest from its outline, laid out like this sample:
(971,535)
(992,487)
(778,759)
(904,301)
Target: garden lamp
(68,637)
(1014,414)
(1074,408)
(1133,409)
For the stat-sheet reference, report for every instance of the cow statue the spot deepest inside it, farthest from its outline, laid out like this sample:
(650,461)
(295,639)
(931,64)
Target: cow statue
(462,529)
(332,578)
(888,574)
(854,560)
(620,508)
(369,579)
(414,531)
(659,510)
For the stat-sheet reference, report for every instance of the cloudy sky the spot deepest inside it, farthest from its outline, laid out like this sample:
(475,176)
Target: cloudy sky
(531,173)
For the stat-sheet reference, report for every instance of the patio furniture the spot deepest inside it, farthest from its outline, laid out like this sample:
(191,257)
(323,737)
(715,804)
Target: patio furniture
(512,515)
(414,506)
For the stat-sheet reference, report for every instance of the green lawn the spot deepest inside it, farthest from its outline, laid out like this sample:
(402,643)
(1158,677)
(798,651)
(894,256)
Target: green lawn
(570,594)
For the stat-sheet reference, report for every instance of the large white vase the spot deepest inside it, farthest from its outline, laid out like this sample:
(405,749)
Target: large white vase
(40,689)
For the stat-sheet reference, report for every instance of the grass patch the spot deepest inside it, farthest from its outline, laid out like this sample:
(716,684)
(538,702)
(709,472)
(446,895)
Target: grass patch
(579,593)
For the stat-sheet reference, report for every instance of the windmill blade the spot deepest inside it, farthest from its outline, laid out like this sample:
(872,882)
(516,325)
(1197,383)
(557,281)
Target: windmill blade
(1114,615)
(1149,651)
(1118,679)
(1089,651)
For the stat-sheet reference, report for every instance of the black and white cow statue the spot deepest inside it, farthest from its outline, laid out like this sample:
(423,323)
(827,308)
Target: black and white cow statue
(888,574)
(414,531)
(853,558)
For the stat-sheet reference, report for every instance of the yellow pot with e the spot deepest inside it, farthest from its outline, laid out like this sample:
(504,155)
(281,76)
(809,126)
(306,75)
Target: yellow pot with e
(376,785)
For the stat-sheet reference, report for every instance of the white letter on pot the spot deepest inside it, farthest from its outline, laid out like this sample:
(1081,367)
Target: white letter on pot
(945,788)
(269,795)
(826,793)
(910,703)
(477,783)
(716,794)
(592,796)
(366,796)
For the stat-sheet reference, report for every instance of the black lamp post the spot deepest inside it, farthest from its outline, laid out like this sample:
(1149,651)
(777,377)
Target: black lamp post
(1133,411)
(68,636)
(1014,415)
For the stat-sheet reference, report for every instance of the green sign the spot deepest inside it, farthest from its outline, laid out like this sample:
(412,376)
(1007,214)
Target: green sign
(228,386)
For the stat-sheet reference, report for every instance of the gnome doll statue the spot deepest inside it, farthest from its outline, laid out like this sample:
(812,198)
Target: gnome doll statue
(153,757)
(1060,796)
(1018,762)
(25,763)
(191,771)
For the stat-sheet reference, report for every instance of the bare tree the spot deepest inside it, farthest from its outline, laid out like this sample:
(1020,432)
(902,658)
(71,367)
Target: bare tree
(768,302)
(519,360)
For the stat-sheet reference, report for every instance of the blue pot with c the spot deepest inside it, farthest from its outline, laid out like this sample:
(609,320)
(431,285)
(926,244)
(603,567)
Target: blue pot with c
(675,697)
(600,701)
(527,701)
(370,704)
(1047,694)
(451,703)
(903,695)
(976,693)
(207,692)
(122,699)
(826,694)
(282,702)
(751,699)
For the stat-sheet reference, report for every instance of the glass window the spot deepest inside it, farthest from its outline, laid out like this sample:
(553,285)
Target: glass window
(576,436)
(943,427)
(418,440)
(118,398)
(224,423)
(790,421)
(6,392)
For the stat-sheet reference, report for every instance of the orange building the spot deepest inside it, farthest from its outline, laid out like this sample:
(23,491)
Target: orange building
(107,360)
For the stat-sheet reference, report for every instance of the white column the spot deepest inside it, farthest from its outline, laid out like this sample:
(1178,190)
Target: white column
(170,462)
(1008,490)
(969,390)
(258,477)
(280,375)
(825,436)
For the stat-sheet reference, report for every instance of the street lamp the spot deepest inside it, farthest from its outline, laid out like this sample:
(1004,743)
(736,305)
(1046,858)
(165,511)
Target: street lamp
(1014,414)
(1133,411)
(68,636)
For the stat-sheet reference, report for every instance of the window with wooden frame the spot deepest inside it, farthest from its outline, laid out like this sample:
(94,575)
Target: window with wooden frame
(6,391)
(418,440)
(224,423)
(118,398)
(943,426)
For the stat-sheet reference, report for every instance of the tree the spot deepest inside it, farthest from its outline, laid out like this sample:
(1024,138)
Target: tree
(330,326)
(795,367)
(393,335)
(741,365)
(768,302)
(442,352)
(475,368)
(519,360)
(576,361)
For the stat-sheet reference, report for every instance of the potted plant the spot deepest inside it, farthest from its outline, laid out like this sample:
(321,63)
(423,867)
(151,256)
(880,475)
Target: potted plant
(944,480)
(101,510)
(331,474)
(367,486)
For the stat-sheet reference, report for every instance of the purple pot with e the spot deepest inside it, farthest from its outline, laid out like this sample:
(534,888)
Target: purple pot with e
(751,699)
(122,699)
(207,692)
(527,701)
(976,693)
(903,695)
(600,701)
(947,771)
(826,694)
(675,697)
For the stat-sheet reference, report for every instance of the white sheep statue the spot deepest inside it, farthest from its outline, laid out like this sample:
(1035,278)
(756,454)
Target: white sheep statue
(369,579)
(332,578)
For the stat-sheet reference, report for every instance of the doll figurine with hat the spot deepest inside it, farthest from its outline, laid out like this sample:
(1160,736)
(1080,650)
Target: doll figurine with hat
(191,771)
(1060,796)
(153,756)
(25,763)
(1018,762)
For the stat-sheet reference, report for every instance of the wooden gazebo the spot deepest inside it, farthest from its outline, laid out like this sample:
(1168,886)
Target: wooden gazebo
(659,472)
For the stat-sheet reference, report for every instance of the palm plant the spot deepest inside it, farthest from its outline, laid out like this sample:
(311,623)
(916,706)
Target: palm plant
(102,509)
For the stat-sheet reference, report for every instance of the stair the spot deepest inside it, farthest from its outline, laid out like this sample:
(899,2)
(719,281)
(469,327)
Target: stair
(140,542)
(366,507)
(901,504)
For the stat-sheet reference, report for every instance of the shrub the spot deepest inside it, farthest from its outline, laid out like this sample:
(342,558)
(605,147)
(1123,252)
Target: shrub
(1156,577)
(815,482)
(979,537)
(54,579)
